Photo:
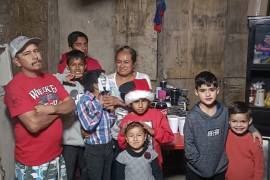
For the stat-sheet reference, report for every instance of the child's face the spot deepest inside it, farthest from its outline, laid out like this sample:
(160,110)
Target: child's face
(29,59)
(81,44)
(140,106)
(239,123)
(207,94)
(77,67)
(135,138)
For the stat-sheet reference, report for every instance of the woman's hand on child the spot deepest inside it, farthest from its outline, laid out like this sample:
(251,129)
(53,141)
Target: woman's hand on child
(102,100)
(112,101)
(110,108)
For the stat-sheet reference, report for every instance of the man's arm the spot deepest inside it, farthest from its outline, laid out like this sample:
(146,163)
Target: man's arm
(44,115)
(64,107)
(34,121)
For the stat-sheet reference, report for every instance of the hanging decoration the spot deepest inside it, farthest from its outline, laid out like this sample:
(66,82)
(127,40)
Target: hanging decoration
(161,7)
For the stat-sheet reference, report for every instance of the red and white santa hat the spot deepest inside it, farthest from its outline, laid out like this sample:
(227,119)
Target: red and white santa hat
(141,90)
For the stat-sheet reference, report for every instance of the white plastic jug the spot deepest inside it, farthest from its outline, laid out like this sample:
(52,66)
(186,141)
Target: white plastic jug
(173,123)
(259,100)
(181,125)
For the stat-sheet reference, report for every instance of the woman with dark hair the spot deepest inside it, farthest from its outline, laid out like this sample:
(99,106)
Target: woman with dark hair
(125,61)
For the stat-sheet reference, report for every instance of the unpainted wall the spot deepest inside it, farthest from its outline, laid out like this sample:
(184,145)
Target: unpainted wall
(236,45)
(96,19)
(192,40)
(110,25)
(134,27)
(28,17)
(209,35)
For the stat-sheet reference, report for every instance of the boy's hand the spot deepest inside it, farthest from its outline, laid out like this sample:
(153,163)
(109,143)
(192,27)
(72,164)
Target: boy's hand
(69,78)
(257,135)
(123,129)
(148,128)
(85,134)
(110,101)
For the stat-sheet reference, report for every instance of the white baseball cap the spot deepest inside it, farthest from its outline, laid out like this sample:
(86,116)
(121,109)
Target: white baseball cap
(20,42)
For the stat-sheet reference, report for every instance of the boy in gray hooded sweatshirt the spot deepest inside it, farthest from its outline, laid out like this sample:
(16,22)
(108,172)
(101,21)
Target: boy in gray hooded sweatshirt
(205,132)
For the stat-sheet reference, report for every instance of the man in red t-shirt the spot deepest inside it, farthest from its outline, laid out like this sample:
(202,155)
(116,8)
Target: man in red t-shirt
(35,100)
(79,41)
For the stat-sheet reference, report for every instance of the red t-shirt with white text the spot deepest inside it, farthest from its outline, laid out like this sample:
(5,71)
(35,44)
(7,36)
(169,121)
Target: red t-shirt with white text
(22,95)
